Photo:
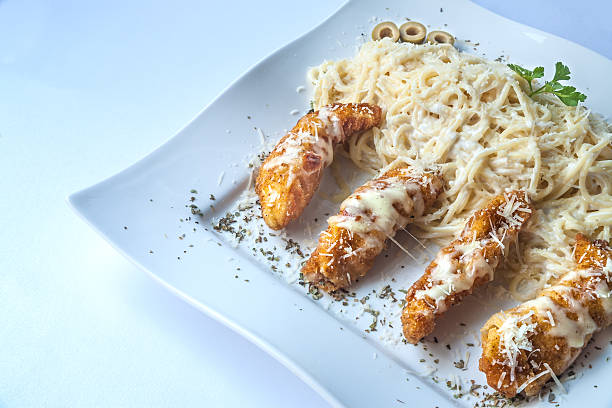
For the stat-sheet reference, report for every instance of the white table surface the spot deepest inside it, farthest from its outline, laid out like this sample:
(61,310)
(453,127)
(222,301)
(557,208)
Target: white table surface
(87,88)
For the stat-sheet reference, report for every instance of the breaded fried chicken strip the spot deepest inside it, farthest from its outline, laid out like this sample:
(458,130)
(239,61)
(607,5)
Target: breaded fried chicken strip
(522,348)
(373,213)
(291,174)
(466,263)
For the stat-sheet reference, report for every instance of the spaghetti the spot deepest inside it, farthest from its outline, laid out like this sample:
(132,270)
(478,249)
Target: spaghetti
(471,117)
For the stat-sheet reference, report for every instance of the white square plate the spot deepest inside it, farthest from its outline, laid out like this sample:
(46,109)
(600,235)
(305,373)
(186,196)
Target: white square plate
(143,211)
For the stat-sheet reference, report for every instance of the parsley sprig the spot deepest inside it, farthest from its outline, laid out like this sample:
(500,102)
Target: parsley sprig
(567,94)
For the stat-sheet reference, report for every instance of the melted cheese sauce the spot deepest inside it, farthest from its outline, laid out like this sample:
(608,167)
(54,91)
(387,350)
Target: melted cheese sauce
(457,270)
(374,209)
(331,124)
(575,332)
(297,144)
(450,279)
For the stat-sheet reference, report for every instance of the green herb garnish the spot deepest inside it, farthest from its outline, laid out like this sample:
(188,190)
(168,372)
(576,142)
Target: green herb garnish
(567,94)
(374,314)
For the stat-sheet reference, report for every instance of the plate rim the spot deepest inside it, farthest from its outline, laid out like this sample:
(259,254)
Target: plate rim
(262,344)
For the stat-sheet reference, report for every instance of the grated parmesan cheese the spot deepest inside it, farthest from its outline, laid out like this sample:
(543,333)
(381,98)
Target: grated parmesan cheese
(501,379)
(556,380)
(532,379)
(550,318)
(514,337)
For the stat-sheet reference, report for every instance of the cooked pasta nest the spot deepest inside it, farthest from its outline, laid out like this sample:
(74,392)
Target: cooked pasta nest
(471,118)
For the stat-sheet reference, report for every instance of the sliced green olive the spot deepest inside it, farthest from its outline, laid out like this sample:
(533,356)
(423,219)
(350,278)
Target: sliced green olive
(440,37)
(385,29)
(412,32)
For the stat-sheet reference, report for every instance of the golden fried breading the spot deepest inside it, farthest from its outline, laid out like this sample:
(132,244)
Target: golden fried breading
(465,264)
(375,211)
(291,174)
(522,345)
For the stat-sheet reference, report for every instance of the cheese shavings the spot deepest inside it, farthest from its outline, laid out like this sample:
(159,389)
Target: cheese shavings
(510,211)
(550,318)
(496,239)
(532,379)
(554,377)
(501,379)
(514,337)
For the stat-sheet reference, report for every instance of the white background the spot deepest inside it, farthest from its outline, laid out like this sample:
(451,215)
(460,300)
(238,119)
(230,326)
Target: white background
(87,88)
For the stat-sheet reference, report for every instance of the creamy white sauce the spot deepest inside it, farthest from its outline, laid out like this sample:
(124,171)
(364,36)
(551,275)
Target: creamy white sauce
(331,124)
(373,209)
(294,148)
(456,271)
(575,332)
(607,270)
(602,289)
(449,279)
(445,271)
(465,144)
(598,285)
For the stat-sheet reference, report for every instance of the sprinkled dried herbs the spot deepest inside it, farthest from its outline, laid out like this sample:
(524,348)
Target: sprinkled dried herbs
(387,292)
(473,388)
(314,292)
(195,210)
(225,224)
(374,314)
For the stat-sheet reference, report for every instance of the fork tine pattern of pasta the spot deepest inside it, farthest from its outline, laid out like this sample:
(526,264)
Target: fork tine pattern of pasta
(522,348)
(373,213)
(291,174)
(466,263)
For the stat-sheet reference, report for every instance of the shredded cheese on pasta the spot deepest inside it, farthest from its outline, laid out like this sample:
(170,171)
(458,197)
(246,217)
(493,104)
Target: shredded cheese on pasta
(471,117)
